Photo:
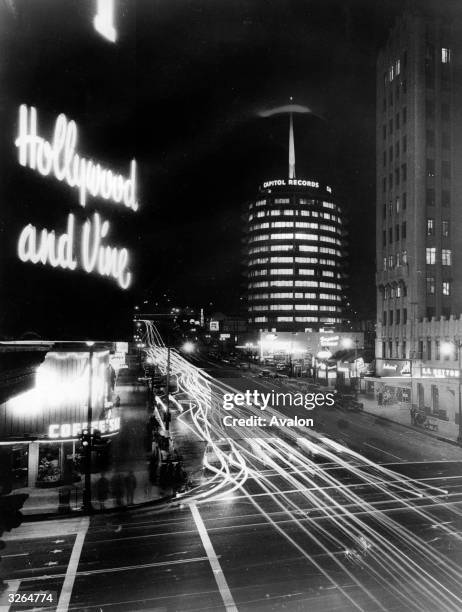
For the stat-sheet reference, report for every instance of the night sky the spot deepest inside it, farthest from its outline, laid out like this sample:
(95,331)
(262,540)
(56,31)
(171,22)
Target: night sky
(211,67)
(182,91)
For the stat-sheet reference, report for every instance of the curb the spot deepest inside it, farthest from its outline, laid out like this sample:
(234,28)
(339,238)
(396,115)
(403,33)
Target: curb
(33,518)
(423,430)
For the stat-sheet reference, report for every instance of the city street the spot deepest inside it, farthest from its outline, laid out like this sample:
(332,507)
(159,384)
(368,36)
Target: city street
(337,531)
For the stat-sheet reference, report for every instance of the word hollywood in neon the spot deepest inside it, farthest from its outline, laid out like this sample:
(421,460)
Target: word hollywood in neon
(60,159)
(59,251)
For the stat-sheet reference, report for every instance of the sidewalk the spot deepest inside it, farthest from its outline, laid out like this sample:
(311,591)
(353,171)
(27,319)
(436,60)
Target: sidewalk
(128,455)
(399,413)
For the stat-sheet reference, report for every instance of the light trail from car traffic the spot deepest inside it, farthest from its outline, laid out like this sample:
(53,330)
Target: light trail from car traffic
(337,527)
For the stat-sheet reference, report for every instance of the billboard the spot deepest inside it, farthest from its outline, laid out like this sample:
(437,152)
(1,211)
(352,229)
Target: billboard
(69,180)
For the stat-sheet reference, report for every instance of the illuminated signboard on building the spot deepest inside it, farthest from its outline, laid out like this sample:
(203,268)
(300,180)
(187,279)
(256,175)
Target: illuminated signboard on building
(59,159)
(292,182)
(430,372)
(65,431)
(393,367)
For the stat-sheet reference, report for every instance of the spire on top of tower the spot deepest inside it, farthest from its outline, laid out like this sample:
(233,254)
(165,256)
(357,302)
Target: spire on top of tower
(291,146)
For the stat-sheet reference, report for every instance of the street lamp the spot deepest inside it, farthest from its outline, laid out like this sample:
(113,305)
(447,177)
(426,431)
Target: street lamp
(189,347)
(447,349)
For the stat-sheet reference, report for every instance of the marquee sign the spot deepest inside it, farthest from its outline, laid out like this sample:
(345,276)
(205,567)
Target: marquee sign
(59,158)
(72,430)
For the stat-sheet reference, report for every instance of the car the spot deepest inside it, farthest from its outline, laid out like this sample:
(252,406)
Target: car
(281,366)
(265,374)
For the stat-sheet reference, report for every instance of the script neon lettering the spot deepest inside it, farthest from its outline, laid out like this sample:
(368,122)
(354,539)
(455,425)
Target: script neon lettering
(106,260)
(104,20)
(60,159)
(48,249)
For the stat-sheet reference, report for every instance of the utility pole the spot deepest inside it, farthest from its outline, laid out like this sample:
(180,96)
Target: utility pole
(459,437)
(87,437)
(167,416)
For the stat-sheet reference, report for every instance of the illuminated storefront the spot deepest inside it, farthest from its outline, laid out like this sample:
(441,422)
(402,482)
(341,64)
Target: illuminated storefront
(40,427)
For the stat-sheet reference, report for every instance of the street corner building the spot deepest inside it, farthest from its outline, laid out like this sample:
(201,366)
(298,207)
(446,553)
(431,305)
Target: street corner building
(418,216)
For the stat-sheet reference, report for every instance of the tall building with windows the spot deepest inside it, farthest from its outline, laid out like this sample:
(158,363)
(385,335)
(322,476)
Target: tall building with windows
(294,254)
(419,179)
(419,216)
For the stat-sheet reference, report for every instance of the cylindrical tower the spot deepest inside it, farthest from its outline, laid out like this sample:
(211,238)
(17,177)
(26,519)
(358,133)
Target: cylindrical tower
(295,257)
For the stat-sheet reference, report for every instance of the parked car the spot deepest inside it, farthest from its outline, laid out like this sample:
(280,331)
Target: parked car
(265,374)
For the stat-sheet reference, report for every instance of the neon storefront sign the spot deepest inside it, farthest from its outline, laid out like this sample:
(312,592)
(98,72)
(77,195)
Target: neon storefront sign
(65,431)
(85,246)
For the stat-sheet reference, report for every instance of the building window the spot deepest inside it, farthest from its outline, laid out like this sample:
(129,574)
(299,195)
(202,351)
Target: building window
(397,121)
(404,257)
(281,201)
(398,291)
(445,55)
(398,317)
(429,109)
(397,176)
(404,316)
(404,115)
(396,232)
(385,264)
(429,349)
(445,112)
(404,143)
(384,211)
(390,315)
(384,238)
(403,230)
(384,132)
(430,138)
(397,148)
(445,228)
(384,317)
(404,200)
(430,227)
(437,350)
(430,197)
(446,257)
(446,287)
(403,350)
(404,172)
(430,167)
(446,169)
(384,184)
(430,285)
(430,255)
(445,198)
(390,348)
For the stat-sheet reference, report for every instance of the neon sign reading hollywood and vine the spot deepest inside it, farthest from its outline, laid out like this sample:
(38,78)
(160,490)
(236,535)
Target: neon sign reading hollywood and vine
(59,159)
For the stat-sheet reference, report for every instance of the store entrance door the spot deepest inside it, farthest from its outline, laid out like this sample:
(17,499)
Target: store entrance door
(19,466)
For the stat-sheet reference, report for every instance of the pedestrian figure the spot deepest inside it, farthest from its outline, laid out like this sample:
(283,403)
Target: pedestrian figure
(102,490)
(130,486)
(117,488)
(413,415)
